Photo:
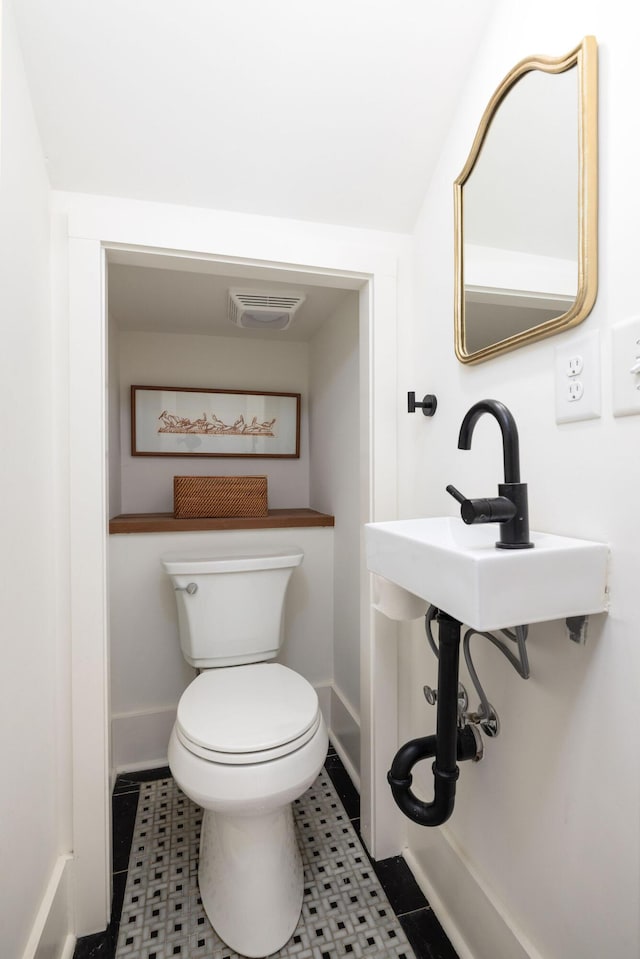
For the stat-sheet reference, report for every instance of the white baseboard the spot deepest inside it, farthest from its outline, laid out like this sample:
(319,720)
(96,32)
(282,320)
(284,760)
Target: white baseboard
(344,732)
(69,948)
(51,935)
(471,915)
(139,740)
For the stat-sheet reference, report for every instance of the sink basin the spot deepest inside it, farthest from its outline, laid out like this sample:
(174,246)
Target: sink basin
(458,569)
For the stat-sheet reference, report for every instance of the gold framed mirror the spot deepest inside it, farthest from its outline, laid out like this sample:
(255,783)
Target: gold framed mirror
(526,208)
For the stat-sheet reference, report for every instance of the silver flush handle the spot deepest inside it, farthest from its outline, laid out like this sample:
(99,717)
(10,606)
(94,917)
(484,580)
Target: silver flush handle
(190,588)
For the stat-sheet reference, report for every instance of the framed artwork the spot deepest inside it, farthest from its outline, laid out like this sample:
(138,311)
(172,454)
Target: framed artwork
(177,421)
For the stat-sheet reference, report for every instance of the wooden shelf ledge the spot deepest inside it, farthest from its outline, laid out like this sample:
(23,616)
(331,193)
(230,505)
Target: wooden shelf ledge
(166,523)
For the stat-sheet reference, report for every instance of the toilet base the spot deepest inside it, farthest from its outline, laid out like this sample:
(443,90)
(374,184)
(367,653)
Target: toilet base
(250,877)
(250,871)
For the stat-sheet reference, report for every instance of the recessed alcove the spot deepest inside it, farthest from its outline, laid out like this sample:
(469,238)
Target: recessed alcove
(168,326)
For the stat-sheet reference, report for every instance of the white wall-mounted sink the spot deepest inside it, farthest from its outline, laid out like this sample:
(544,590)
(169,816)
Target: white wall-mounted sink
(458,569)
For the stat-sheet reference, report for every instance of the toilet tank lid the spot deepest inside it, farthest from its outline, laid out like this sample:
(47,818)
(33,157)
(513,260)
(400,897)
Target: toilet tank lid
(232,560)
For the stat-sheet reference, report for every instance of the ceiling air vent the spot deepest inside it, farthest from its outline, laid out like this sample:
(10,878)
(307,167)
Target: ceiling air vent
(263,311)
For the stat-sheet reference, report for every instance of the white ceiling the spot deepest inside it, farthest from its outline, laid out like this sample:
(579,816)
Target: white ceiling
(153,293)
(325,110)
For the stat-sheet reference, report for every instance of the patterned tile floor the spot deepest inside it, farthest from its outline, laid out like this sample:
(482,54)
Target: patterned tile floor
(345,911)
(352,907)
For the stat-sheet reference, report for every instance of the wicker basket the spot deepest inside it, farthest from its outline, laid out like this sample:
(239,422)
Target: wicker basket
(211,496)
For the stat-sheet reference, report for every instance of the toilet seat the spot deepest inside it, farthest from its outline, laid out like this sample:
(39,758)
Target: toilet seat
(247,714)
(242,759)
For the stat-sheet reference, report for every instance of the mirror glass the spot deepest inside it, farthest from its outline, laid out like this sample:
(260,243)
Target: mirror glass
(526,208)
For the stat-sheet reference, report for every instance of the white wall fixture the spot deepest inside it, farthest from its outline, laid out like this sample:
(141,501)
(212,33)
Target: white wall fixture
(625,350)
(458,569)
(254,309)
(578,378)
(471,579)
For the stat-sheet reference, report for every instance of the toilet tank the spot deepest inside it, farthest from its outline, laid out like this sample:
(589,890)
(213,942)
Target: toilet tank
(231,603)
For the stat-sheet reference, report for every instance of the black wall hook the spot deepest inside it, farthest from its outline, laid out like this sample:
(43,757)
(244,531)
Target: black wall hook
(429,404)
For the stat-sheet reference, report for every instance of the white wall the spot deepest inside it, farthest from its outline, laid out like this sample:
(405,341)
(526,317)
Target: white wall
(148,673)
(34,806)
(335,488)
(157,359)
(114,451)
(541,855)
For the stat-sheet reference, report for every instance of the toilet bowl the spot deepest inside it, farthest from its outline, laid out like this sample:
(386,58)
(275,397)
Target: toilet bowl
(248,740)
(235,752)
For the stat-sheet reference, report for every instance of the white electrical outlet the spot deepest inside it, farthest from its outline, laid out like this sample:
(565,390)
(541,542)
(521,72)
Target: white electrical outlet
(577,370)
(625,352)
(575,391)
(575,366)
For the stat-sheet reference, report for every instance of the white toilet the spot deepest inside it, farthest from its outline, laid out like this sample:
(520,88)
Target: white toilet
(249,738)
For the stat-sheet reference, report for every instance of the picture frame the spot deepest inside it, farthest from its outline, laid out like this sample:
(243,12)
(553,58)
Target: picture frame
(185,421)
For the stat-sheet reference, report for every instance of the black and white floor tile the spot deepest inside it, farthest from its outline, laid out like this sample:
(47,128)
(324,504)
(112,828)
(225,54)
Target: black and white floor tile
(352,907)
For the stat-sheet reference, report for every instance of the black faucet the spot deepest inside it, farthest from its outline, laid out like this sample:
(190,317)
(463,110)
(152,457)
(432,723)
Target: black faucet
(510,507)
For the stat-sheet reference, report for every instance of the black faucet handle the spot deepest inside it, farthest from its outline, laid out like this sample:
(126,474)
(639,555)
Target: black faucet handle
(468,511)
(498,509)
(456,494)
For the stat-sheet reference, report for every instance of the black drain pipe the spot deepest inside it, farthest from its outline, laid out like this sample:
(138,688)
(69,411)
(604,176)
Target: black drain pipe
(449,743)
